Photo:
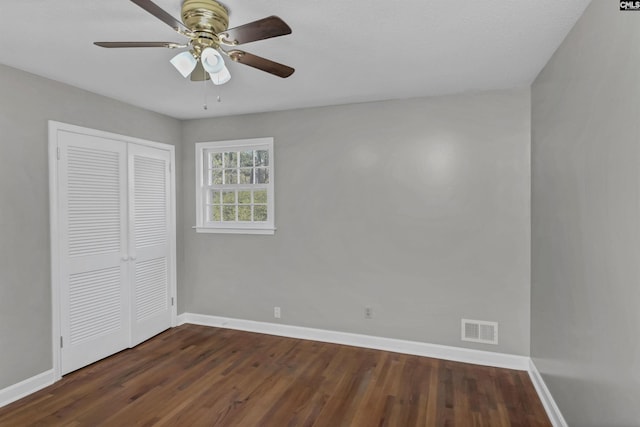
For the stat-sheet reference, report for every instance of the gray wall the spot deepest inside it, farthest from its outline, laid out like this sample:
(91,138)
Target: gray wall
(418,208)
(586,220)
(27,102)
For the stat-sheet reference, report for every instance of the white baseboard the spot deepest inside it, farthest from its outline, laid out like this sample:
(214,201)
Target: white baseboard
(26,387)
(457,354)
(555,416)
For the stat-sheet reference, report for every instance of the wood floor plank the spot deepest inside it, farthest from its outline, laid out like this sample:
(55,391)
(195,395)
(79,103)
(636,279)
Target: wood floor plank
(200,376)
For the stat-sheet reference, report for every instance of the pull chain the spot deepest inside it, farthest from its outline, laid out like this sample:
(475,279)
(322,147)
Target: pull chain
(218,86)
(204,86)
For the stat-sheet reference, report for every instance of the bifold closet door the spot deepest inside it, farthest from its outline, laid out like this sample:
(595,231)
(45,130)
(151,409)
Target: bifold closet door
(92,214)
(149,241)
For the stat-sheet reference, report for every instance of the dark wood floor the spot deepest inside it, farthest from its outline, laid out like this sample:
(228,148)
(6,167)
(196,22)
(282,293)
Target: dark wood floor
(201,376)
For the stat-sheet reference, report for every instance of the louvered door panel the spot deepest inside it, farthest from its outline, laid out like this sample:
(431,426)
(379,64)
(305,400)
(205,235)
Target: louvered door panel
(94,201)
(150,210)
(93,224)
(149,222)
(94,304)
(151,288)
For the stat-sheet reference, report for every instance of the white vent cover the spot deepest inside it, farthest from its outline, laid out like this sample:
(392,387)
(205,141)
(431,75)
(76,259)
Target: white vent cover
(480,331)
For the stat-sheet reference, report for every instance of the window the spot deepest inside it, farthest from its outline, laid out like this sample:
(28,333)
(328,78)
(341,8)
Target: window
(235,186)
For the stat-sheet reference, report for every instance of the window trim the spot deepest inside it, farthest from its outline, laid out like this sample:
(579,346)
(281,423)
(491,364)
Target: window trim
(202,226)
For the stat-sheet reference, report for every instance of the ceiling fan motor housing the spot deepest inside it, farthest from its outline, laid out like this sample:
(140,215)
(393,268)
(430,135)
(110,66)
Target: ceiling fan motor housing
(206,16)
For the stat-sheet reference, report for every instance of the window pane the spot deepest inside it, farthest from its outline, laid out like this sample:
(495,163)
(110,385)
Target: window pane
(214,213)
(262,158)
(260,196)
(246,159)
(231,160)
(230,176)
(214,197)
(215,160)
(215,176)
(259,213)
(244,197)
(244,213)
(262,176)
(246,176)
(228,213)
(237,177)
(229,197)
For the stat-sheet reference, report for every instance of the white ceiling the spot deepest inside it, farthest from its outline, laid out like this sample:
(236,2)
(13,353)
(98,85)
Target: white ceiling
(344,51)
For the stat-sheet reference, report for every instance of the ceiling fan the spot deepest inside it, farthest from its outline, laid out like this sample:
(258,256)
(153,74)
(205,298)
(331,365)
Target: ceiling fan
(205,23)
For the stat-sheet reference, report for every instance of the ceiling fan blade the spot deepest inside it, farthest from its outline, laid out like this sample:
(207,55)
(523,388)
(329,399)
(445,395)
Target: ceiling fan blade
(169,45)
(162,15)
(260,63)
(199,74)
(261,29)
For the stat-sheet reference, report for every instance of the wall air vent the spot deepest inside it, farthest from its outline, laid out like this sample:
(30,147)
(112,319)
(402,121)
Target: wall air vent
(480,331)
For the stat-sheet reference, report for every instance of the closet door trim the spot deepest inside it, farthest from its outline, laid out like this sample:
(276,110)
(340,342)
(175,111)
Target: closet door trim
(54,128)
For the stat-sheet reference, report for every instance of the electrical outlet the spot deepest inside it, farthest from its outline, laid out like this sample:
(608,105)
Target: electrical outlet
(368,313)
(276,312)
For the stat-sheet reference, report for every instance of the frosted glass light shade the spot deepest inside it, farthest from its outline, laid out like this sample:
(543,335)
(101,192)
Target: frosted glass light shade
(212,61)
(184,63)
(220,77)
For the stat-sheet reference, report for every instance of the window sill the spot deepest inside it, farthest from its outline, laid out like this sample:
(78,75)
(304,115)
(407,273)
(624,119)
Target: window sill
(263,231)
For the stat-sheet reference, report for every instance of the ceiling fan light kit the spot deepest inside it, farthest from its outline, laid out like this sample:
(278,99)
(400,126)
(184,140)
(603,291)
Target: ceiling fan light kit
(221,77)
(206,24)
(213,64)
(185,63)
(212,60)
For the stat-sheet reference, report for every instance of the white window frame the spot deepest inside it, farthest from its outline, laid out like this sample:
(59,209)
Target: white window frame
(236,227)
